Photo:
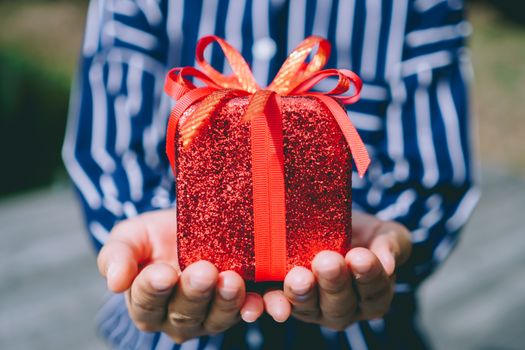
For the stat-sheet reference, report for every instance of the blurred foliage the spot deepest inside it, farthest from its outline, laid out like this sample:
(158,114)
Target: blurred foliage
(513,9)
(33,106)
(498,54)
(39,43)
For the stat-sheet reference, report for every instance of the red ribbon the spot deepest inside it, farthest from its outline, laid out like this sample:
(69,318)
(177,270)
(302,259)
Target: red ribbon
(295,77)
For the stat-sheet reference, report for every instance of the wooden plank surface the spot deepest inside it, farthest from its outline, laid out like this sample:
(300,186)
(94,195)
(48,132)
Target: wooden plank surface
(50,289)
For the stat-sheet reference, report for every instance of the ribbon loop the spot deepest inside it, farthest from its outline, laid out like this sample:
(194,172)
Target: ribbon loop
(346,79)
(176,85)
(242,78)
(294,70)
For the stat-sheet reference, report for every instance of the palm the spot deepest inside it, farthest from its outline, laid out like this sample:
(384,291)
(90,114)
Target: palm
(160,237)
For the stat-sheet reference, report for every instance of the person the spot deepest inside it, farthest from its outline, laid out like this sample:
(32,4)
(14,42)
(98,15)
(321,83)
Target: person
(409,209)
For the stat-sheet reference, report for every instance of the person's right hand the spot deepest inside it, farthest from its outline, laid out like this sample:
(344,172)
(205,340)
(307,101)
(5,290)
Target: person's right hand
(140,257)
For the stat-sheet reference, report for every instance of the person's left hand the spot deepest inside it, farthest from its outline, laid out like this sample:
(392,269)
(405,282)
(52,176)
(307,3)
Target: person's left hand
(341,290)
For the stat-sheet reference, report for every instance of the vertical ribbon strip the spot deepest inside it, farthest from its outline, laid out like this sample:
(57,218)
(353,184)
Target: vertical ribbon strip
(269,213)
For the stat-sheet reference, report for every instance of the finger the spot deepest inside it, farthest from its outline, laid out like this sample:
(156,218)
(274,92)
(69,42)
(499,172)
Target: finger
(367,228)
(374,287)
(149,295)
(336,296)
(118,263)
(277,306)
(226,304)
(364,228)
(392,246)
(119,258)
(252,308)
(189,305)
(386,251)
(162,235)
(301,290)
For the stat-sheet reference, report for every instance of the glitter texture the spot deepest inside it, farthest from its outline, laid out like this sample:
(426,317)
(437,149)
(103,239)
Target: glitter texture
(214,187)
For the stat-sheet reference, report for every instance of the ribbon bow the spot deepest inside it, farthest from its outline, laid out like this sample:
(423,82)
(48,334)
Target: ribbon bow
(296,77)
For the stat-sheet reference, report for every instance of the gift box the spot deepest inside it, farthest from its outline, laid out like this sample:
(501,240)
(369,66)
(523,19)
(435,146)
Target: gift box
(263,176)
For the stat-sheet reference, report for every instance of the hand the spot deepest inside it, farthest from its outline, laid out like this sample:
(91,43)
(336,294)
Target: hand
(140,258)
(341,290)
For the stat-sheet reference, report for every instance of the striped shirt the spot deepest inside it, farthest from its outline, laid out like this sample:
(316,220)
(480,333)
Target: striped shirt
(413,118)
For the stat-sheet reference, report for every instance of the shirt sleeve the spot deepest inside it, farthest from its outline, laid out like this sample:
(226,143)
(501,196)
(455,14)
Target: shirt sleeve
(423,171)
(114,140)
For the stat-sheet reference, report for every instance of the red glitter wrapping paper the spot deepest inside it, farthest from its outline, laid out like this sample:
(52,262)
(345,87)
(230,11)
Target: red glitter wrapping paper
(263,175)
(214,187)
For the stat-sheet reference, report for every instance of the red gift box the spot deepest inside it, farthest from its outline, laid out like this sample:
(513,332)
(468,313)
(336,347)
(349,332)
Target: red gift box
(263,175)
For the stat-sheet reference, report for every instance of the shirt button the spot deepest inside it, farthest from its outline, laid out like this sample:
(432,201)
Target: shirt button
(264,48)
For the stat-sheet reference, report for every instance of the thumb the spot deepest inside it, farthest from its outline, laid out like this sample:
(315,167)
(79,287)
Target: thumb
(119,259)
(392,246)
(382,248)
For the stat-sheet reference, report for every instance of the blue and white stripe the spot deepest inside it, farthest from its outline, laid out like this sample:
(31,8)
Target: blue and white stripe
(413,117)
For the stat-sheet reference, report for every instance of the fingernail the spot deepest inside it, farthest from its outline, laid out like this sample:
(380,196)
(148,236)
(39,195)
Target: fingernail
(160,284)
(249,316)
(361,266)
(279,317)
(329,271)
(199,283)
(301,289)
(227,293)
(227,288)
(388,262)
(112,272)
